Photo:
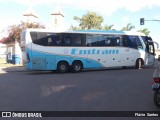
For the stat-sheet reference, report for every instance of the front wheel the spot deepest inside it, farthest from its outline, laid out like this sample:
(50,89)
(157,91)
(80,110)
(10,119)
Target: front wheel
(138,63)
(156,98)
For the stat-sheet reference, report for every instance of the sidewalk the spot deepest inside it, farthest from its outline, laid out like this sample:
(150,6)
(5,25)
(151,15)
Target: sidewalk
(12,69)
(7,67)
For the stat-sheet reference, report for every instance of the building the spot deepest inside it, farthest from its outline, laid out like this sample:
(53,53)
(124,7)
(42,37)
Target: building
(3,50)
(13,50)
(57,18)
(29,16)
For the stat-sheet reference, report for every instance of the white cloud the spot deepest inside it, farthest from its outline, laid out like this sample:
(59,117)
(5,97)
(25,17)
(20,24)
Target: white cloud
(156,17)
(107,7)
(31,2)
(125,19)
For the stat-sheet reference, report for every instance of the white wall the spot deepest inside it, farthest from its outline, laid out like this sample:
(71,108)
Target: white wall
(3,51)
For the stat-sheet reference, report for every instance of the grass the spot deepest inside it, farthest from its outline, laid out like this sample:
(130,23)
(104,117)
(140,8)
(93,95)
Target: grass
(2,60)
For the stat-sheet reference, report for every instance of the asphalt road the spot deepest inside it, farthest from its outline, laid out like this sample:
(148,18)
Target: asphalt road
(92,90)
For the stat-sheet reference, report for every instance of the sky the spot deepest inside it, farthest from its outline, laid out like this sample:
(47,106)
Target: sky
(116,12)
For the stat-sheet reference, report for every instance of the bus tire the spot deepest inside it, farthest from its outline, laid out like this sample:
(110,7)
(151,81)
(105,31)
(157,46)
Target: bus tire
(138,63)
(62,67)
(76,66)
(156,98)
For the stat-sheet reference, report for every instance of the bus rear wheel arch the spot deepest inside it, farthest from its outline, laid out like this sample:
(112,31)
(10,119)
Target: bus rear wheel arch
(139,63)
(62,67)
(76,66)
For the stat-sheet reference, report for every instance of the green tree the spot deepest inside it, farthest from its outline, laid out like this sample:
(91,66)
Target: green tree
(91,20)
(128,27)
(74,28)
(145,31)
(31,25)
(108,27)
(14,31)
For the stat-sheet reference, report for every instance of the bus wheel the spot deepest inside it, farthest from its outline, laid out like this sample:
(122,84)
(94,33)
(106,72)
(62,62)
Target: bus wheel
(156,98)
(76,66)
(138,63)
(62,67)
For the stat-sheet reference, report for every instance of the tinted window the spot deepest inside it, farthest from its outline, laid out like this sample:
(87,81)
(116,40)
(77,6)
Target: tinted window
(42,38)
(132,41)
(67,40)
(92,40)
(112,40)
(139,43)
(128,41)
(103,40)
(60,39)
(77,39)
(144,39)
(72,39)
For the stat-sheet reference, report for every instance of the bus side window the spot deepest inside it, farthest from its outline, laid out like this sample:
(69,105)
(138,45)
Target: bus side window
(50,42)
(58,40)
(129,41)
(101,40)
(95,40)
(139,43)
(67,41)
(78,41)
(108,42)
(120,41)
(117,41)
(34,36)
(126,41)
(133,42)
(89,40)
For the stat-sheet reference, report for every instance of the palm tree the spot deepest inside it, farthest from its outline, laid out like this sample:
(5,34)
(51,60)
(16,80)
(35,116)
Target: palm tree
(108,27)
(145,31)
(128,27)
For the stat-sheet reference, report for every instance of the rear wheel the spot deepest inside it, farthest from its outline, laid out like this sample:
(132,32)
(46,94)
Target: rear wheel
(156,98)
(76,66)
(138,63)
(62,67)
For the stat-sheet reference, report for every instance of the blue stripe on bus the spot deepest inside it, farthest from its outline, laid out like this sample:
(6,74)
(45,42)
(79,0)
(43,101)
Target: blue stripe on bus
(46,61)
(101,31)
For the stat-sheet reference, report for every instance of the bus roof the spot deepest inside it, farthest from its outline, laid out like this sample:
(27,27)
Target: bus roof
(117,32)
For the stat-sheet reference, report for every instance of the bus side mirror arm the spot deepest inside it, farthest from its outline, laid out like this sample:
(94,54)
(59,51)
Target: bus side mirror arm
(154,43)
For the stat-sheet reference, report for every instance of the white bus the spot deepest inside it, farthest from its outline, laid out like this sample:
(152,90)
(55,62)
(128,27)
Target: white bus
(77,50)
